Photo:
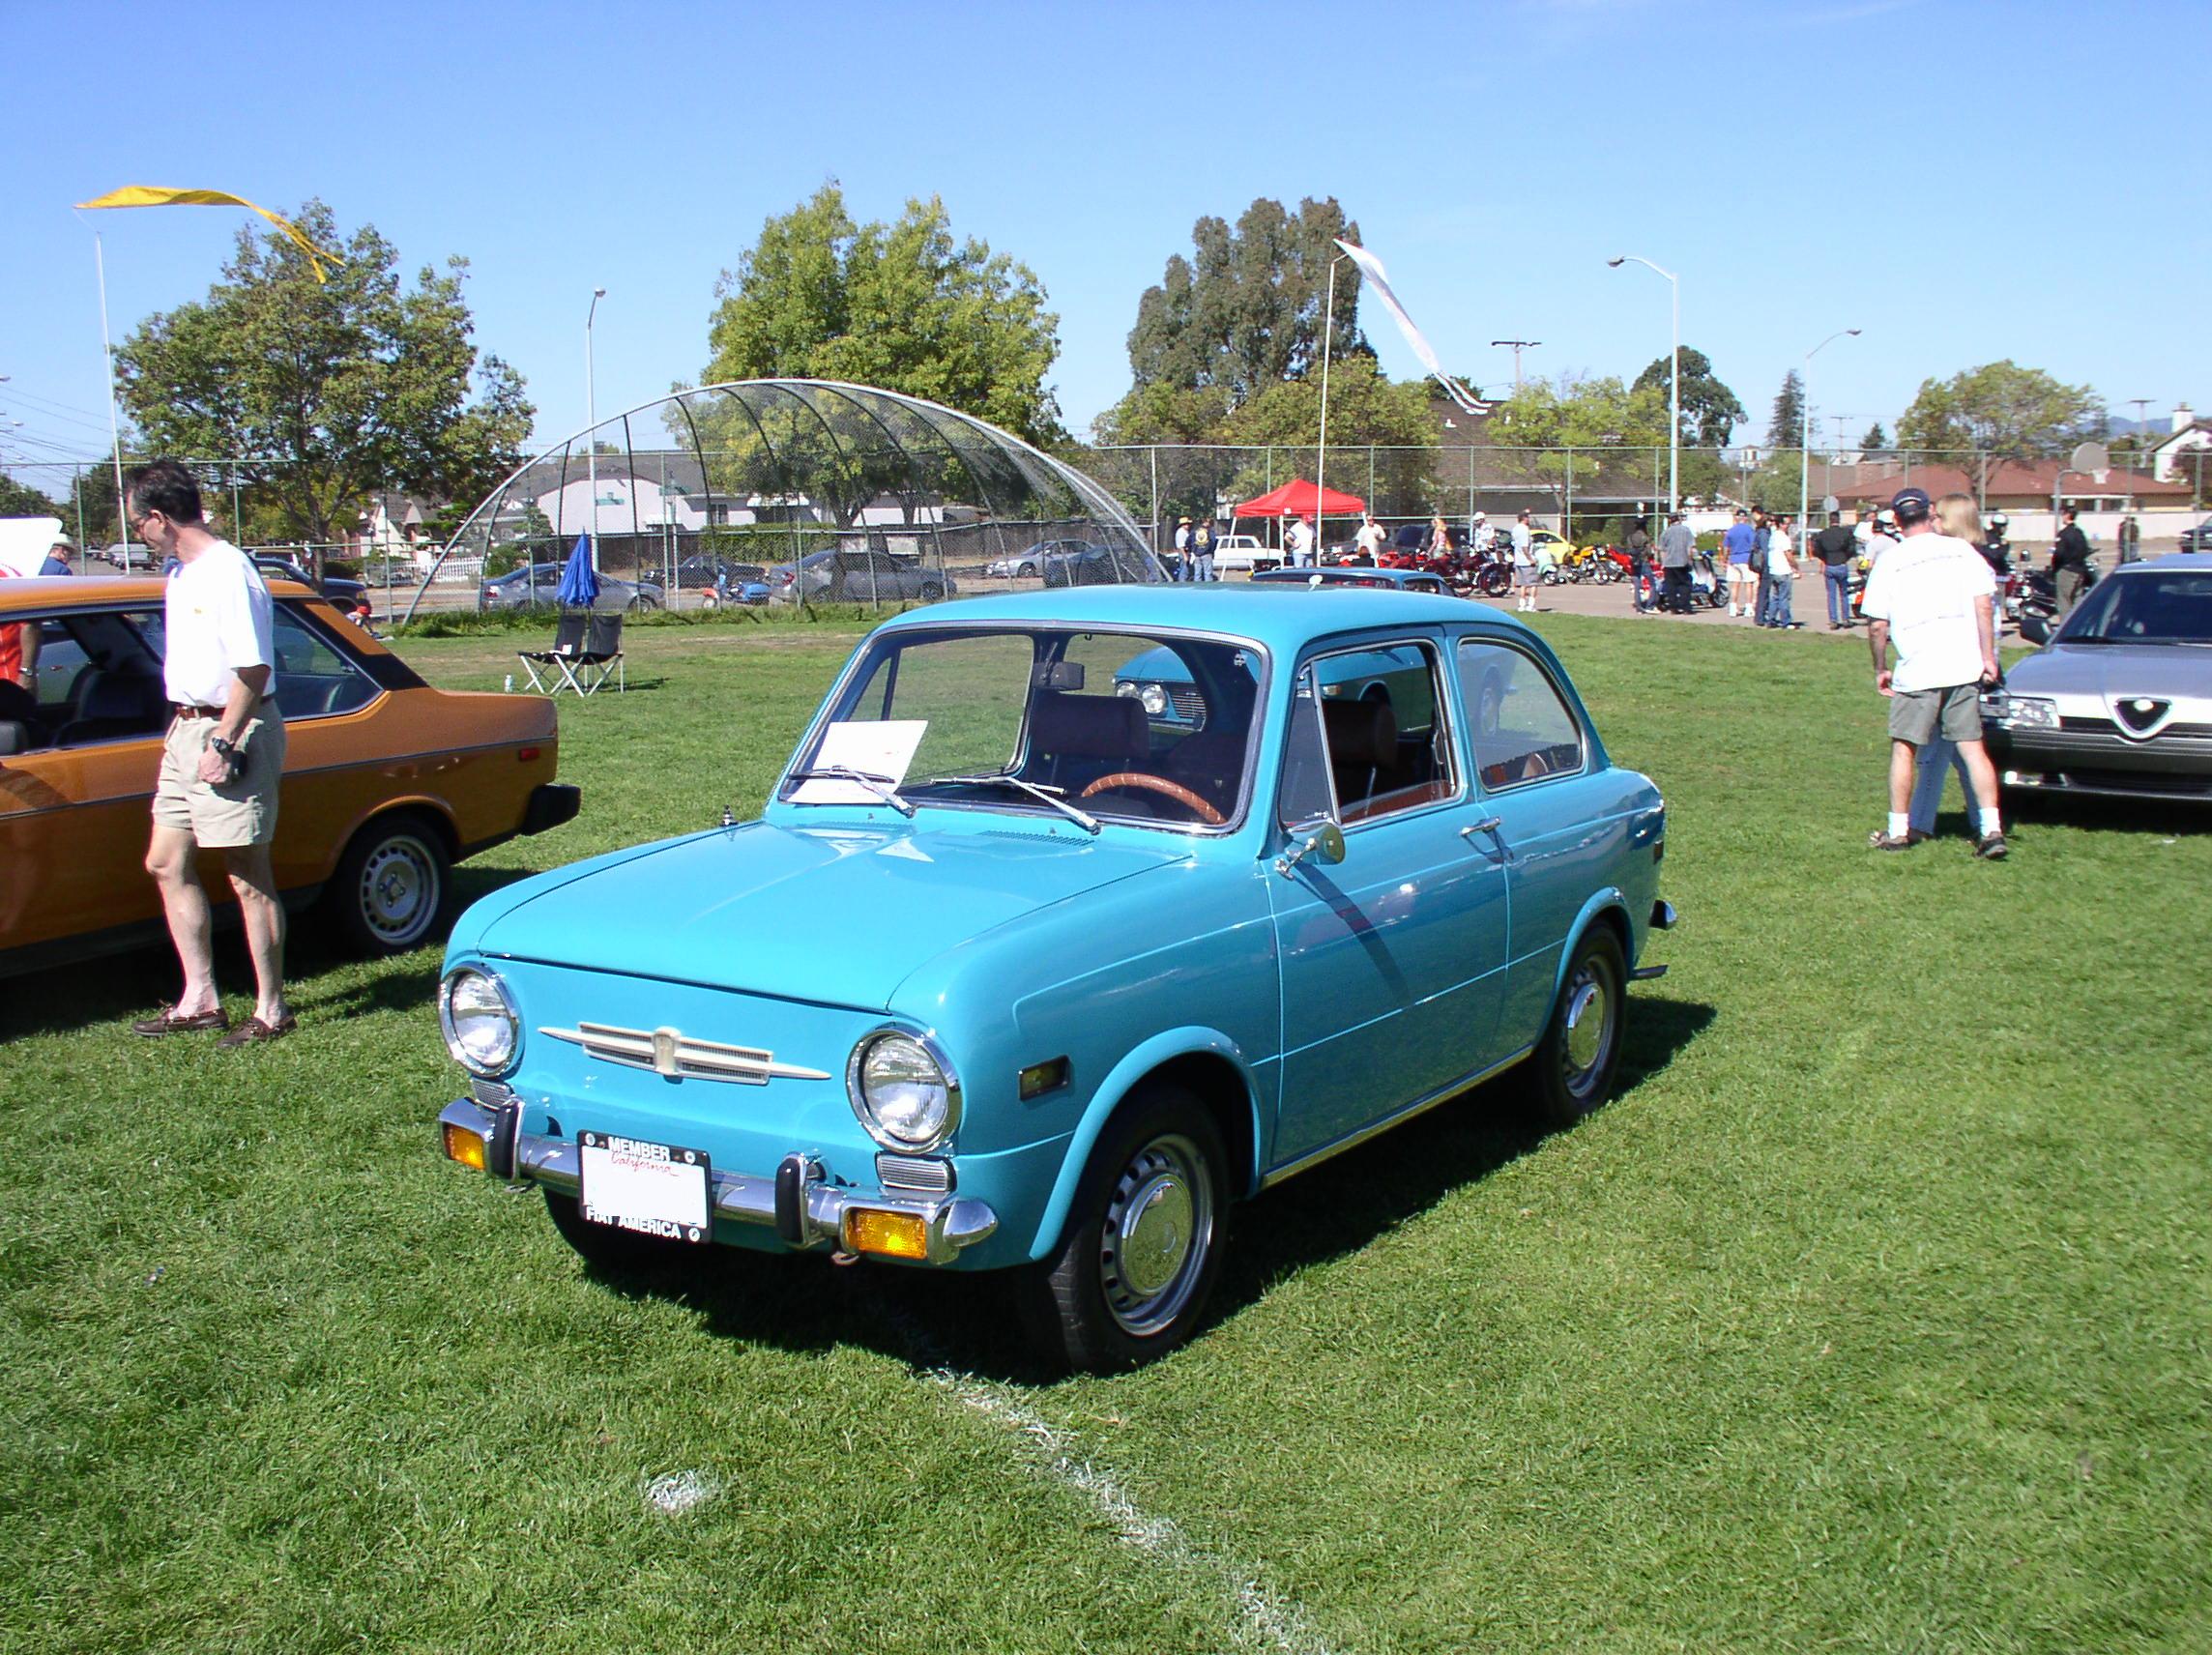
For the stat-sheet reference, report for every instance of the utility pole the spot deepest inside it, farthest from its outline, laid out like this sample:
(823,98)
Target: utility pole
(1519,345)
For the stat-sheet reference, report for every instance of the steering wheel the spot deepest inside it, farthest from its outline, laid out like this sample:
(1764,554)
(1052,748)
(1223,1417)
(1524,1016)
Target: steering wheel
(1175,790)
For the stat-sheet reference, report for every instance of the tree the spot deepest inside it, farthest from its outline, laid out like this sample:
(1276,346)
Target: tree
(1876,441)
(1241,314)
(21,499)
(1786,426)
(2004,409)
(1710,411)
(902,306)
(326,394)
(1364,408)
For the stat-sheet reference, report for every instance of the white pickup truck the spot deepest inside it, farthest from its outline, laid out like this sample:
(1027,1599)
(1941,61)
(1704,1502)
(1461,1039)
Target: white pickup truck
(1232,553)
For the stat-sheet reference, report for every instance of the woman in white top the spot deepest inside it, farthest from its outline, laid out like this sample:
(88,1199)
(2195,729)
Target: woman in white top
(1780,575)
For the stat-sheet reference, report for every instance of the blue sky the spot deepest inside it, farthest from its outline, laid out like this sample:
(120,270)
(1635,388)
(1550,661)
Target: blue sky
(1964,182)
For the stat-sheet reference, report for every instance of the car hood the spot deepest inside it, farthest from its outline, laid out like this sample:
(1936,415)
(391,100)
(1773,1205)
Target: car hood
(2167,671)
(838,916)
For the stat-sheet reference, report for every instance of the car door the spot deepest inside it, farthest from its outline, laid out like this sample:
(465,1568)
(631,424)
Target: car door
(76,806)
(1530,758)
(1389,959)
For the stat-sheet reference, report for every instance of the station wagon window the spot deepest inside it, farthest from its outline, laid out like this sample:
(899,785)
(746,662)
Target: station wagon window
(97,678)
(1519,726)
(1367,737)
(1122,725)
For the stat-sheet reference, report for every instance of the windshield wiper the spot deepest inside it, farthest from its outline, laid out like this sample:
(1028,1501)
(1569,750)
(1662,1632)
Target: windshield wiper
(1035,790)
(884,788)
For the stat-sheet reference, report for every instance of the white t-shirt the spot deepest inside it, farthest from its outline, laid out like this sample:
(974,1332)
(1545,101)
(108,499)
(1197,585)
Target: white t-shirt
(1297,538)
(1778,550)
(1925,587)
(1523,540)
(216,618)
(1370,538)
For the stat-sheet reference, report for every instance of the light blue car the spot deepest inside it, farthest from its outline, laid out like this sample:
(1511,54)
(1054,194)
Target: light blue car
(1010,977)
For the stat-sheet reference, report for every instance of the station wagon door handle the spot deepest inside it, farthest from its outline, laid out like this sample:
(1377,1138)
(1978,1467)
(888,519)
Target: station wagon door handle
(1488,824)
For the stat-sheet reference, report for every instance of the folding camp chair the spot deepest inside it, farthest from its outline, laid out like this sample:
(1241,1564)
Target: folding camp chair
(586,647)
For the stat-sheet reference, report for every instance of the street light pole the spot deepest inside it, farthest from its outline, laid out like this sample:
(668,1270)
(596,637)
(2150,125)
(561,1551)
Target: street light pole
(1674,384)
(592,436)
(1519,345)
(1805,430)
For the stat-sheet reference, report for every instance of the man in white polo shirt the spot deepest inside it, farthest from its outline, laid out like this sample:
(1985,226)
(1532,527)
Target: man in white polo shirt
(222,759)
(1932,593)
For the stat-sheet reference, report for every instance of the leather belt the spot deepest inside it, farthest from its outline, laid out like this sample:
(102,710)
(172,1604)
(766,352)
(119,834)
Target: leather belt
(191,711)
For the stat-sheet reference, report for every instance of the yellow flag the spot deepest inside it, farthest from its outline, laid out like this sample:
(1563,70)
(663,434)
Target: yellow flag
(153,195)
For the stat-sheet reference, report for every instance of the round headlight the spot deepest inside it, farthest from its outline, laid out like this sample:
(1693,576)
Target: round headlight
(478,1021)
(901,1092)
(1154,698)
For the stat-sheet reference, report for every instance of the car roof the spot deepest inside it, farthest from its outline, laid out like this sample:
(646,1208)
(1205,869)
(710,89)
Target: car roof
(2198,563)
(76,591)
(1264,612)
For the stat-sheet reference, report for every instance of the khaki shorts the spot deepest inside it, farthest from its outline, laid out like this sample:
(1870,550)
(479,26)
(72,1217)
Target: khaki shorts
(238,813)
(1742,575)
(1918,716)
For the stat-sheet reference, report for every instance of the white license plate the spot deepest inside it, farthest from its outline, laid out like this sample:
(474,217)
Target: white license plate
(653,1189)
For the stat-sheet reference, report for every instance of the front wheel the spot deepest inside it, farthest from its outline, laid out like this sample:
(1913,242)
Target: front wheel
(1581,1047)
(1143,1242)
(390,887)
(603,1247)
(1493,581)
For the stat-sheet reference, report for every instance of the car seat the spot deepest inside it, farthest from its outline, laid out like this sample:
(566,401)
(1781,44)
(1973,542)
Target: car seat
(113,704)
(1086,729)
(1362,745)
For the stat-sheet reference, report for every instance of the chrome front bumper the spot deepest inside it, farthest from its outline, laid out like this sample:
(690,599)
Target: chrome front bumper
(795,1201)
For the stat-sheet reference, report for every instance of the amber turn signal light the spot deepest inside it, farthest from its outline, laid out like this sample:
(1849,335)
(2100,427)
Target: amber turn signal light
(889,1234)
(464,1147)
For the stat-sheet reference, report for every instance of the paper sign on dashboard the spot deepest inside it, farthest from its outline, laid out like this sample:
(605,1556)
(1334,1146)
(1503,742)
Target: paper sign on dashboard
(880,748)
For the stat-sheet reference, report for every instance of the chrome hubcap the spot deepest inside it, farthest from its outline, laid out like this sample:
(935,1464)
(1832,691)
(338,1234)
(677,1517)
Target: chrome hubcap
(1588,1020)
(1158,1229)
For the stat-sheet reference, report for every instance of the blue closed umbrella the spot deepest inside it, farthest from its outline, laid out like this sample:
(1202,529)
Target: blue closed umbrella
(579,581)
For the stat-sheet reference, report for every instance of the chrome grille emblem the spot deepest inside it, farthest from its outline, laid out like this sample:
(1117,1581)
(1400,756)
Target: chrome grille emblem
(669,1052)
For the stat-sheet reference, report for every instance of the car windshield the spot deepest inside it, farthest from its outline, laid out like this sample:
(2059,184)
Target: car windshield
(2149,607)
(1126,727)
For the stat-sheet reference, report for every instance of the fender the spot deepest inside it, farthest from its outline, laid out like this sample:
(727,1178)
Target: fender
(1136,1064)
(1610,897)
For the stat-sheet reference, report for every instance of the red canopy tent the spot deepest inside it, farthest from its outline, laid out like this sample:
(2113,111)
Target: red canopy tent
(1295,499)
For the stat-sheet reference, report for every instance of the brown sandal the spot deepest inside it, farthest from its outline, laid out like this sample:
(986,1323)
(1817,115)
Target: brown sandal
(254,1032)
(170,1022)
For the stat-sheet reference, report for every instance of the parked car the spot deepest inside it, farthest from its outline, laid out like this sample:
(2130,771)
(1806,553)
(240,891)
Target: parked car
(538,587)
(1030,561)
(1355,575)
(387,781)
(1241,554)
(2198,538)
(1009,979)
(2119,700)
(857,576)
(718,578)
(343,592)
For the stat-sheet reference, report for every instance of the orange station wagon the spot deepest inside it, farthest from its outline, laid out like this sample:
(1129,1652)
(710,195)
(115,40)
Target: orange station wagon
(388,782)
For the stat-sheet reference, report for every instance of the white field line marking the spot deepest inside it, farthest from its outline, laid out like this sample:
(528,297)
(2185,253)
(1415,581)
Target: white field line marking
(1262,1618)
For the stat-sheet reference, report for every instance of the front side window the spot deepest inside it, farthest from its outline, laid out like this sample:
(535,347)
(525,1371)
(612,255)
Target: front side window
(1520,727)
(1120,725)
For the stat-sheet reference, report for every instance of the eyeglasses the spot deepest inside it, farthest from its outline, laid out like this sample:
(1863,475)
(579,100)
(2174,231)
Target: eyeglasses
(141,521)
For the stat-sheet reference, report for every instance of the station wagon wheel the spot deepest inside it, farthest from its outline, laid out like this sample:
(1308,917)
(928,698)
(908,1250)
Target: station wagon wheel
(1143,1242)
(1580,1049)
(605,1248)
(389,891)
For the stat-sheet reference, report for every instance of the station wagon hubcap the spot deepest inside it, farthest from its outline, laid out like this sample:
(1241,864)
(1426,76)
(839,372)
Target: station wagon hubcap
(398,890)
(1590,1025)
(1159,1224)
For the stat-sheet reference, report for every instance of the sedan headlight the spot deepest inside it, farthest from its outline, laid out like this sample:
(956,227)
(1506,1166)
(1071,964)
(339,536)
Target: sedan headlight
(479,1022)
(2028,712)
(903,1092)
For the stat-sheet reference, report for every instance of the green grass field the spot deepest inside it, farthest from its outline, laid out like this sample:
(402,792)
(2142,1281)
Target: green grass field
(1875,1313)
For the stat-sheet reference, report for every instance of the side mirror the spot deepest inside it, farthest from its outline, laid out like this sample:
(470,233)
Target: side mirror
(2035,628)
(1325,844)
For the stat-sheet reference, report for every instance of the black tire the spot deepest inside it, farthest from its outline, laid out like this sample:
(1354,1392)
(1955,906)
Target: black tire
(603,1247)
(1143,1242)
(643,604)
(1495,581)
(391,892)
(1576,1060)
(1028,572)
(931,591)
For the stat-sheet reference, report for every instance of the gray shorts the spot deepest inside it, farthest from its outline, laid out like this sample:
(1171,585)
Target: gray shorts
(238,813)
(1918,716)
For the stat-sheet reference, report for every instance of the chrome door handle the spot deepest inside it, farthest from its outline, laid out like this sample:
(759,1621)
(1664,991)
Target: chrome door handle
(1488,824)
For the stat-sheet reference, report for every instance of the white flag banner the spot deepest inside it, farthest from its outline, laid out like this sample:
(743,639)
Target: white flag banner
(1371,268)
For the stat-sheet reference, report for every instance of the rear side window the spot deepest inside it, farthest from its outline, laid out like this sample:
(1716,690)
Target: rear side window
(1520,728)
(313,679)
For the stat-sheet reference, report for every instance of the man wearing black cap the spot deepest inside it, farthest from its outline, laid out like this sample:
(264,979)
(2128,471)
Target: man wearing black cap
(1935,596)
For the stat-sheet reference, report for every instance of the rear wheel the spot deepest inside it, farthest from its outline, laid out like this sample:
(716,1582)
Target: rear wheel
(1580,1052)
(1143,1242)
(389,891)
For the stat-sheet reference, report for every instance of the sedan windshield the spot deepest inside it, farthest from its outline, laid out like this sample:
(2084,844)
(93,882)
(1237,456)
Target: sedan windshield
(1089,727)
(2147,608)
